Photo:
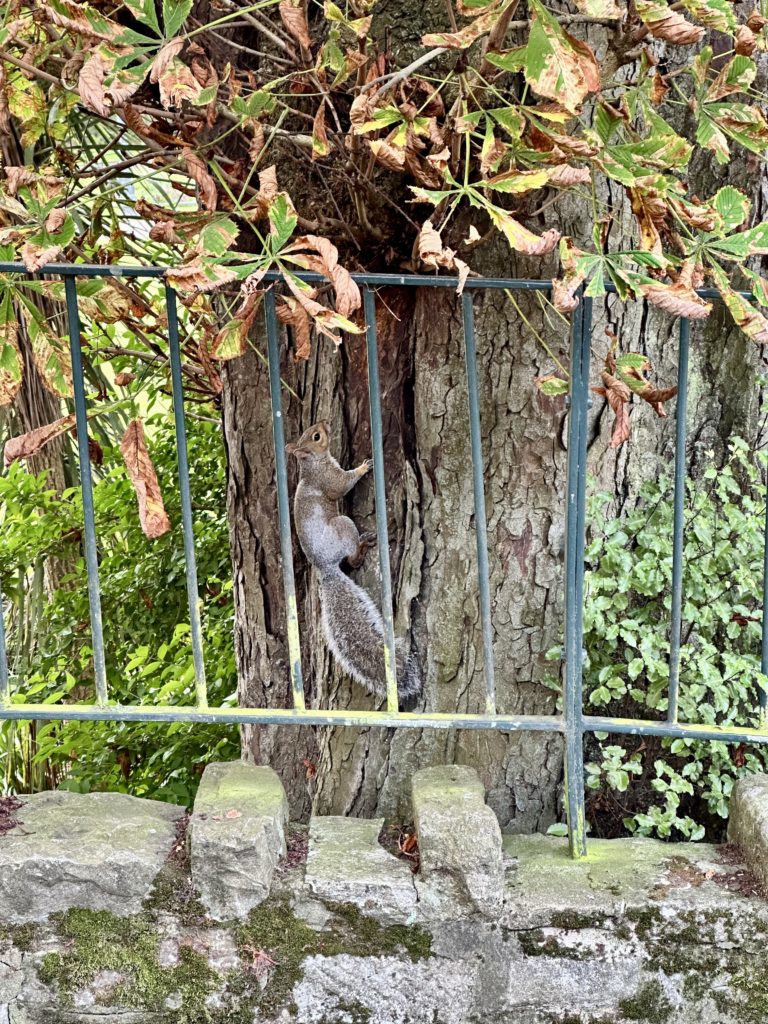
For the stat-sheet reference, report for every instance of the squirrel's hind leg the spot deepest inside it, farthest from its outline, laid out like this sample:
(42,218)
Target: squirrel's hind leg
(367,541)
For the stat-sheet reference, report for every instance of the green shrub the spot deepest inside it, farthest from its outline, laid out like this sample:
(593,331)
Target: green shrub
(662,787)
(146,627)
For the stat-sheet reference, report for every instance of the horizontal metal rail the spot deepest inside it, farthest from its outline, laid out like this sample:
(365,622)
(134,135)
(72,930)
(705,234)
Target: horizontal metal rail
(573,724)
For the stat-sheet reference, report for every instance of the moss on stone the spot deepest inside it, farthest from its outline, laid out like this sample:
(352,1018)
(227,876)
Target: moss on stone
(273,928)
(173,893)
(22,936)
(648,1004)
(98,941)
(572,920)
(535,942)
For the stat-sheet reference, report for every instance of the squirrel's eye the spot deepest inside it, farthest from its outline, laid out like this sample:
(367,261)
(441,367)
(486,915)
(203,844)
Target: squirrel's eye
(316,437)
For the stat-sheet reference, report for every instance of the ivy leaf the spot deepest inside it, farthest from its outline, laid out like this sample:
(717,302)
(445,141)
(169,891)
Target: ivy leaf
(556,65)
(175,13)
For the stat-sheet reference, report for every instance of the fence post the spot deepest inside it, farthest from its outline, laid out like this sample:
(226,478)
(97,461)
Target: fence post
(581,330)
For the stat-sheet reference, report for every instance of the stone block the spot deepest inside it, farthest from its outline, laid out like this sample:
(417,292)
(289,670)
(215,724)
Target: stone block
(96,850)
(748,822)
(236,836)
(460,843)
(347,864)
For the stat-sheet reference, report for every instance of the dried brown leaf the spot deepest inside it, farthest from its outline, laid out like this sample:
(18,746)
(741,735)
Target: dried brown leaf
(90,85)
(290,312)
(294,17)
(35,256)
(124,378)
(164,57)
(24,445)
(677,299)
(55,219)
(11,373)
(18,177)
(618,395)
(746,41)
(152,515)
(177,83)
(208,192)
(564,176)
(195,278)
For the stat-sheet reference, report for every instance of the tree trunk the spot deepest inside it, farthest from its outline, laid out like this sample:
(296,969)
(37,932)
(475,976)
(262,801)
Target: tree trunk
(429,499)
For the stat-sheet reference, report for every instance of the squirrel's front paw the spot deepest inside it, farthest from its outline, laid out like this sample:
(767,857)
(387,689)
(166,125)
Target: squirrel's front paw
(366,466)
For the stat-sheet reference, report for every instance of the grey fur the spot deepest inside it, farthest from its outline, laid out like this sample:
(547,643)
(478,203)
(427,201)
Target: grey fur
(352,623)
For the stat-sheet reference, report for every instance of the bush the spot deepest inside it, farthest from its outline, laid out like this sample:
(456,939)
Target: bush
(146,628)
(662,787)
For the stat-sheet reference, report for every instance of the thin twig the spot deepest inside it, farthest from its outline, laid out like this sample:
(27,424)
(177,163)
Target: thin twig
(398,76)
(17,62)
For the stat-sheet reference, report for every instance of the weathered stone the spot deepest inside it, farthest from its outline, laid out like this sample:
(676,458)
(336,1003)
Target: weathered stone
(460,843)
(347,864)
(236,836)
(748,822)
(97,850)
(384,989)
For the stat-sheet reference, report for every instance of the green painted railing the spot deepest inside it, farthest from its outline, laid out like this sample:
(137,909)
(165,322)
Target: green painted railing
(572,723)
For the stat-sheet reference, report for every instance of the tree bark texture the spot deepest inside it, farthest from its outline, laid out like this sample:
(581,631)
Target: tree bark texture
(430,509)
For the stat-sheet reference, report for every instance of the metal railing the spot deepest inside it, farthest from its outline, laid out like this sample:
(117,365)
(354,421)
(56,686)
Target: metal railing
(572,723)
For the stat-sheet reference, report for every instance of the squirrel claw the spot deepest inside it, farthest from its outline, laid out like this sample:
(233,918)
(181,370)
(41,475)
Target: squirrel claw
(367,465)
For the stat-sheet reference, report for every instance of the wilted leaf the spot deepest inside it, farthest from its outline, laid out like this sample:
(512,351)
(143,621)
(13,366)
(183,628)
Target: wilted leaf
(320,147)
(746,42)
(35,256)
(197,277)
(564,176)
(520,238)
(433,253)
(52,359)
(24,445)
(677,299)
(294,17)
(749,319)
(124,378)
(177,83)
(557,65)
(552,385)
(231,341)
(347,293)
(517,182)
(715,14)
(205,182)
(152,515)
(290,312)
(466,36)
(10,362)
(665,23)
(90,85)
(55,220)
(164,58)
(217,236)
(18,177)
(631,367)
(600,8)
(618,395)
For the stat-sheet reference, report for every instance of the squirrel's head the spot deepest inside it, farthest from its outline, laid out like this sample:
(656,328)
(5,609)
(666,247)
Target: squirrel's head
(314,441)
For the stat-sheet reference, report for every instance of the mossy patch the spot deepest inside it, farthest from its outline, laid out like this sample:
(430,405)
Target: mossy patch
(22,936)
(97,941)
(648,1004)
(273,929)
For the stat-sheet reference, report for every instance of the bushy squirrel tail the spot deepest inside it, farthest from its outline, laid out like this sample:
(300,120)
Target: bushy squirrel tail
(355,633)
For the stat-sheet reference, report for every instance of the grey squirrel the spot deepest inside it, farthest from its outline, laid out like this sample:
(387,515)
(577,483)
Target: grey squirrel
(352,623)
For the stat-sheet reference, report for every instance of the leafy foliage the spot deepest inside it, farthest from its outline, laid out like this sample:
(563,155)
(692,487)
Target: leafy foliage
(673,786)
(148,651)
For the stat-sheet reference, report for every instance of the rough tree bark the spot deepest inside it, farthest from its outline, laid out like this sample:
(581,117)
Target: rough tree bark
(428,467)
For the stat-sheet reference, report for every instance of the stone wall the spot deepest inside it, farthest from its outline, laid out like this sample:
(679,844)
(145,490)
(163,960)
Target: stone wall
(117,909)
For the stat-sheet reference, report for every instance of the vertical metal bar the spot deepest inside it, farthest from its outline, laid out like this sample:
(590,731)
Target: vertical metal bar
(5,693)
(188,529)
(481,526)
(379,487)
(283,513)
(675,634)
(581,330)
(86,487)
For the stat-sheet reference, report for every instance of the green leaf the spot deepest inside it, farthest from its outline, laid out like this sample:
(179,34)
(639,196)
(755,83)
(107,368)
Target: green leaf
(715,14)
(282,220)
(732,205)
(231,341)
(51,357)
(217,236)
(558,829)
(145,12)
(175,13)
(552,386)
